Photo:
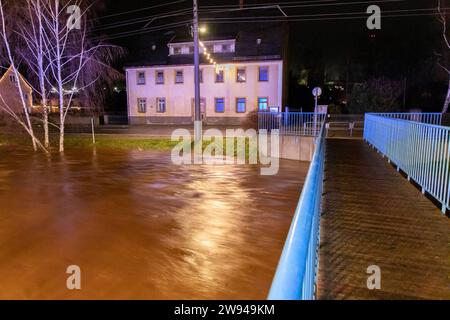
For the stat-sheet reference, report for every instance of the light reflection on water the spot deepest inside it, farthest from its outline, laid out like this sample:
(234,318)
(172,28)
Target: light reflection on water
(140,227)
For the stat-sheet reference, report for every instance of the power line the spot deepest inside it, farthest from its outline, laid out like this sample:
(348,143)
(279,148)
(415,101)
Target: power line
(139,10)
(280,19)
(143,31)
(294,18)
(180,12)
(320,15)
(296,5)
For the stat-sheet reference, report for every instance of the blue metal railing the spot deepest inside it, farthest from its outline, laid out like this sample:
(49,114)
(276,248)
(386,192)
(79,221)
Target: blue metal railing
(430,118)
(292,123)
(421,150)
(295,278)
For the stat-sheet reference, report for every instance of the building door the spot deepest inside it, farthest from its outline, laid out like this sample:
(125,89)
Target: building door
(202,109)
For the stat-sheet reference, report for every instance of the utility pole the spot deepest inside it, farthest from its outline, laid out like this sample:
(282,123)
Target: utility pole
(197,115)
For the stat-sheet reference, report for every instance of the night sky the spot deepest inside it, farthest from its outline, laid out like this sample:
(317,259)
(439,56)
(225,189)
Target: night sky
(328,38)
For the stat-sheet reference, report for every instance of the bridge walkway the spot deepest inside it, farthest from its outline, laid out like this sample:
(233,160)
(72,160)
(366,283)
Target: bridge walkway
(372,215)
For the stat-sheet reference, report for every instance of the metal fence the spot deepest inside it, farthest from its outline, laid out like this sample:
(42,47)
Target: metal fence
(292,123)
(430,118)
(296,275)
(421,150)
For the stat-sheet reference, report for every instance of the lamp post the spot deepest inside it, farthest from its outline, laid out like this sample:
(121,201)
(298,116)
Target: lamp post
(197,111)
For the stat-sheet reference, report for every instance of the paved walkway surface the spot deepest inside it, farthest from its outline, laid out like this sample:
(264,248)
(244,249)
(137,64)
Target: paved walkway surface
(373,216)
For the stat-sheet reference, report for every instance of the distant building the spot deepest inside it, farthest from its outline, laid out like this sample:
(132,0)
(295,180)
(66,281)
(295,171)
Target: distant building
(9,92)
(248,77)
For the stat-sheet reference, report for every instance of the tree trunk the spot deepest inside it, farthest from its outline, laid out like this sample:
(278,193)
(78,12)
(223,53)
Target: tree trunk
(61,120)
(447,99)
(61,138)
(46,133)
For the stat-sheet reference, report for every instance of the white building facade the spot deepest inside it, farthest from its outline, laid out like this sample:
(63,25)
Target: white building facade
(229,90)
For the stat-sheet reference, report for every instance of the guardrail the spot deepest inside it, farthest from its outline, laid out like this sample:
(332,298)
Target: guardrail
(295,278)
(421,150)
(430,118)
(292,123)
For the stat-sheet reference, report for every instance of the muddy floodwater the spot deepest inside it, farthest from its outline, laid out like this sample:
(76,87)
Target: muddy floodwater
(139,227)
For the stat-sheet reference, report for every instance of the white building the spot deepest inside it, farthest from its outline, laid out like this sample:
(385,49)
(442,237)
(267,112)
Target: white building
(162,91)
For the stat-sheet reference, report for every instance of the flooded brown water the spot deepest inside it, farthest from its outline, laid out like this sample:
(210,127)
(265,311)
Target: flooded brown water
(140,227)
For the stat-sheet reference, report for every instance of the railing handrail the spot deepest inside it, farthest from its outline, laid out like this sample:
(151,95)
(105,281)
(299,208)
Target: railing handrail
(292,123)
(403,113)
(295,277)
(291,112)
(421,117)
(415,122)
(421,150)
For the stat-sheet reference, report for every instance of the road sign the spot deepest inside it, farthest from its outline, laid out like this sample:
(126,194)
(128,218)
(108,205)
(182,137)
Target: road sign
(317,92)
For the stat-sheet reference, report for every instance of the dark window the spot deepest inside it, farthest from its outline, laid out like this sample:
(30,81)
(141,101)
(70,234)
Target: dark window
(179,76)
(141,78)
(177,50)
(263,74)
(220,105)
(161,105)
(200,74)
(240,75)
(240,105)
(159,77)
(263,104)
(142,105)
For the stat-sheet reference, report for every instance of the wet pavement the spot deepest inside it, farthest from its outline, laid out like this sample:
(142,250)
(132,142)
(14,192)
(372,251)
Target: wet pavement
(140,227)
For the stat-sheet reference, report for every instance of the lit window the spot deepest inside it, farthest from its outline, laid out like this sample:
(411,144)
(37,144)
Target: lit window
(141,78)
(240,105)
(220,105)
(142,105)
(240,75)
(179,76)
(263,74)
(185,50)
(159,77)
(219,76)
(161,105)
(263,104)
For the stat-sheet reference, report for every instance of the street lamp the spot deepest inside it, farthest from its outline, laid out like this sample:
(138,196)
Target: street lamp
(202,29)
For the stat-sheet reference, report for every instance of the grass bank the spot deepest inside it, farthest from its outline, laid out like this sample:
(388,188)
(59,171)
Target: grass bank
(112,142)
(118,143)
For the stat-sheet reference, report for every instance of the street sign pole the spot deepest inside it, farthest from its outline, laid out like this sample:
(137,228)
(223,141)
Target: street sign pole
(317,91)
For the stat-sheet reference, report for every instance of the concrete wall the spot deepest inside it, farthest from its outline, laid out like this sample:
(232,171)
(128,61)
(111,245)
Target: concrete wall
(179,97)
(298,148)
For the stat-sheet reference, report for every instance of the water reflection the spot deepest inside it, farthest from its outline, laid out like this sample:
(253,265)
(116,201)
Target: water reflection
(139,227)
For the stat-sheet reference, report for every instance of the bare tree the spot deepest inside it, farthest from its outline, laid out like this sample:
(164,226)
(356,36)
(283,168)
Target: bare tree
(76,62)
(62,56)
(443,19)
(26,123)
(30,30)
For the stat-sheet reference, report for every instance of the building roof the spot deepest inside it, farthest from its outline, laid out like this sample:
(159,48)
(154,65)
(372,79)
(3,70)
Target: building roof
(248,48)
